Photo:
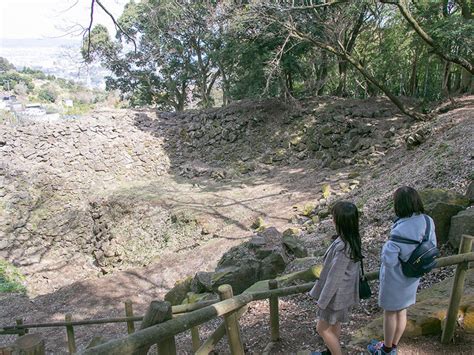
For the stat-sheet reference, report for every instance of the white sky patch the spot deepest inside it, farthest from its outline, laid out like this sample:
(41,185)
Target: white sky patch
(52,18)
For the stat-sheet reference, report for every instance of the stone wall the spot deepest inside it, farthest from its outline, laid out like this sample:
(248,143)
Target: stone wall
(247,136)
(51,174)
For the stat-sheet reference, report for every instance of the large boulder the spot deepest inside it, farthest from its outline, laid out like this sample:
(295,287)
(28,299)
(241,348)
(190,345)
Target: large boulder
(263,257)
(441,205)
(179,292)
(462,223)
(470,192)
(202,282)
(295,246)
(239,277)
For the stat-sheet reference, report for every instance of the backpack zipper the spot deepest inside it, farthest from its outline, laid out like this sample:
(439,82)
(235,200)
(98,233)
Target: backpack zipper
(419,258)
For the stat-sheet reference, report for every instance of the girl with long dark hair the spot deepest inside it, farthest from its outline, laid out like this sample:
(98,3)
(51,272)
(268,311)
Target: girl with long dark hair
(337,289)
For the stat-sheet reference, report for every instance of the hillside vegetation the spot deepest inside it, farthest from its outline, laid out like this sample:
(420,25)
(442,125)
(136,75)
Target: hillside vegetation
(34,86)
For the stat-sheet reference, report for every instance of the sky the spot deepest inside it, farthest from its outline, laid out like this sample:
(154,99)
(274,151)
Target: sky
(41,19)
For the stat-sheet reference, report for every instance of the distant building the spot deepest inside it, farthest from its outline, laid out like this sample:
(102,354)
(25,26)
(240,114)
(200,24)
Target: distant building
(34,110)
(68,103)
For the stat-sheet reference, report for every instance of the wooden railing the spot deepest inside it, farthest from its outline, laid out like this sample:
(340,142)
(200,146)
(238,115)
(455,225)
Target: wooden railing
(158,328)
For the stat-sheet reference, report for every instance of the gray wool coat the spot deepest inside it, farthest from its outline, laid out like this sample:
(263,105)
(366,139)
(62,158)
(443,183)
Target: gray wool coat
(338,284)
(396,291)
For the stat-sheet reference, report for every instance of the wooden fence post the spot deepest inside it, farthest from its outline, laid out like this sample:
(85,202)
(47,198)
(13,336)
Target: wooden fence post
(167,346)
(158,312)
(196,340)
(23,331)
(457,291)
(274,316)
(209,344)
(71,341)
(129,313)
(231,323)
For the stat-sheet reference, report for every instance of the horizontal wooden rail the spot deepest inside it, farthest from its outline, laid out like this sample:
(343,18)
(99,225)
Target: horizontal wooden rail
(156,333)
(180,309)
(149,336)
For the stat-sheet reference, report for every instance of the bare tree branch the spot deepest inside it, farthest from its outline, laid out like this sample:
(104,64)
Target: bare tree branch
(276,62)
(318,6)
(88,30)
(294,32)
(117,25)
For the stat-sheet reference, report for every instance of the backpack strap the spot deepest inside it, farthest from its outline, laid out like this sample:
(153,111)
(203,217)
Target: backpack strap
(426,236)
(400,239)
(428,228)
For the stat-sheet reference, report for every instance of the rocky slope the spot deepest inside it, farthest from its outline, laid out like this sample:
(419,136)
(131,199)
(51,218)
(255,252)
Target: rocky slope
(124,189)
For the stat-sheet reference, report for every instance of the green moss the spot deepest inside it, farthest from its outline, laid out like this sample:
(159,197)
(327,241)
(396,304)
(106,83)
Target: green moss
(259,224)
(11,279)
(326,189)
(308,209)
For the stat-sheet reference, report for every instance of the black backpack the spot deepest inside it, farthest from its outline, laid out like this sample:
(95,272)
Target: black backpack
(423,259)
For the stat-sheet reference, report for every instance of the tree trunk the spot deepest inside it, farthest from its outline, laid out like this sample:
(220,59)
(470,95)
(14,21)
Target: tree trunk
(445,87)
(356,64)
(413,76)
(341,87)
(323,72)
(466,82)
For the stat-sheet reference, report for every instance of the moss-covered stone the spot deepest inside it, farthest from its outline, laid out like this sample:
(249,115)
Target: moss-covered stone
(291,232)
(441,205)
(308,209)
(326,189)
(179,292)
(295,247)
(433,196)
(259,224)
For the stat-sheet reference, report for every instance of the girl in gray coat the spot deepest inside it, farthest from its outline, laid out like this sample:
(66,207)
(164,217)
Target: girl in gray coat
(338,286)
(397,292)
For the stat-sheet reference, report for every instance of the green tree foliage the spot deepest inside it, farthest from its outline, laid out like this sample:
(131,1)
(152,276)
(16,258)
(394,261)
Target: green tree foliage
(5,65)
(186,49)
(11,78)
(47,93)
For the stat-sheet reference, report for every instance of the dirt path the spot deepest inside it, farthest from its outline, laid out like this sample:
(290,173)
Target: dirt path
(227,209)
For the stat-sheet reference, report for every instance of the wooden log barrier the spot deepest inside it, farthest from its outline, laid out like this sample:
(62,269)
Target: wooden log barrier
(231,323)
(274,313)
(126,345)
(19,323)
(195,339)
(71,340)
(21,327)
(148,336)
(218,334)
(168,345)
(457,291)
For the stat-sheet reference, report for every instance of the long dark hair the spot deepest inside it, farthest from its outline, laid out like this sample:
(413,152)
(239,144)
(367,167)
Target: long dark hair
(407,201)
(346,219)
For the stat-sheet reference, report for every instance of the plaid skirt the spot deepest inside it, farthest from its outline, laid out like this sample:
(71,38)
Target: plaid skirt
(333,317)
